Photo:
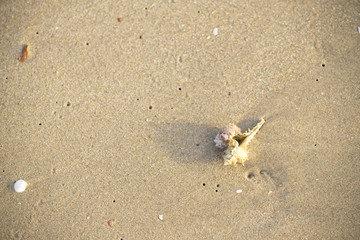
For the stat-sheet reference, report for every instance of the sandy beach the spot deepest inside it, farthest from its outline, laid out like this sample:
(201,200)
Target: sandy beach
(112,116)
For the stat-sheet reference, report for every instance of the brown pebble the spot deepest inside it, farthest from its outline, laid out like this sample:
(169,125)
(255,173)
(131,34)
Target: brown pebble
(111,223)
(25,54)
(120,19)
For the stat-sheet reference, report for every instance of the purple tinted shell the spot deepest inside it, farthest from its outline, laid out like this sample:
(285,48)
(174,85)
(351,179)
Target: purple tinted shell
(225,135)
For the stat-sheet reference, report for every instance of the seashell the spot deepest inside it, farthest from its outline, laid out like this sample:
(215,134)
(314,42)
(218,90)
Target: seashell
(235,142)
(20,185)
(223,138)
(25,54)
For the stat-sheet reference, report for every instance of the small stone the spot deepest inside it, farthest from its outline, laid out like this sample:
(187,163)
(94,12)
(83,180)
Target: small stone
(239,191)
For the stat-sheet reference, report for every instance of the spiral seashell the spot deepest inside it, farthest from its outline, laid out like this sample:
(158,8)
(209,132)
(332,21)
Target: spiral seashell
(235,143)
(223,138)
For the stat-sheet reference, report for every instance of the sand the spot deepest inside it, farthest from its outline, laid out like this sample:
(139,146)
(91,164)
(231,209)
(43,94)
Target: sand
(115,121)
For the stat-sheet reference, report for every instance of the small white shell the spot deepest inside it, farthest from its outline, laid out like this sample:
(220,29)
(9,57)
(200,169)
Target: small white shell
(161,217)
(20,185)
(215,31)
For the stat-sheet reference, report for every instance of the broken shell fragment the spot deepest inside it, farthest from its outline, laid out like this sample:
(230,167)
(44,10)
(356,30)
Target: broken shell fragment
(235,142)
(111,223)
(24,54)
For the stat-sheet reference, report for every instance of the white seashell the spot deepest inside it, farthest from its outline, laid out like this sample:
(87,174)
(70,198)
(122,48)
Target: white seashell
(20,185)
(215,31)
(239,191)
(161,217)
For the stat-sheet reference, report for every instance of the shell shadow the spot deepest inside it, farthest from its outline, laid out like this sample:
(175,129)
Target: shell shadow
(187,142)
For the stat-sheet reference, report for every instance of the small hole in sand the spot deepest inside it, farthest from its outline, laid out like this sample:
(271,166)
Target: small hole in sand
(251,175)
(203,184)
(323,65)
(150,107)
